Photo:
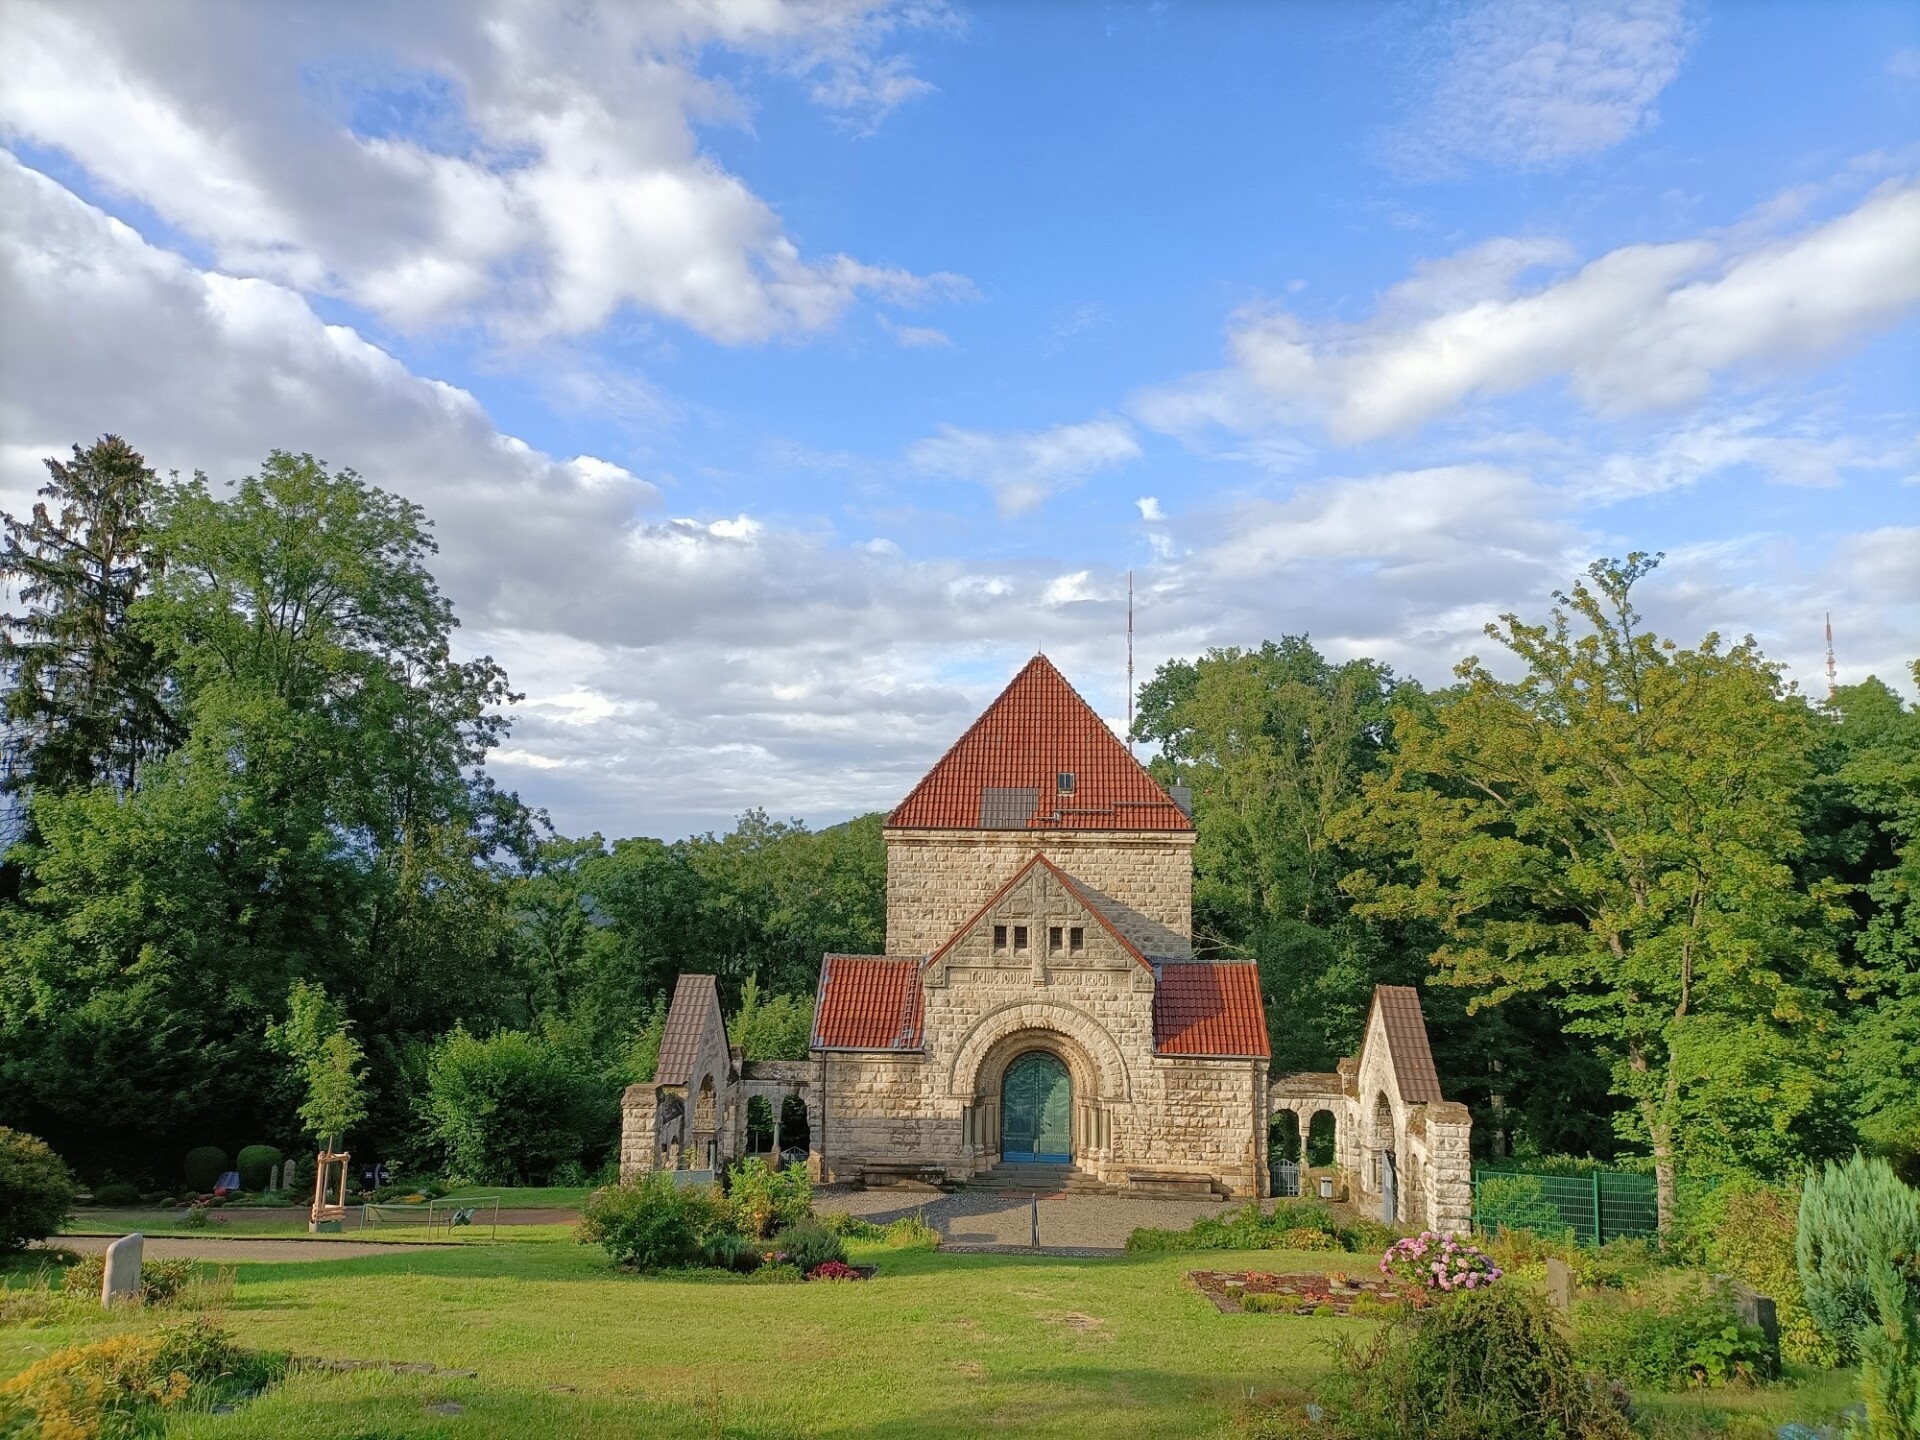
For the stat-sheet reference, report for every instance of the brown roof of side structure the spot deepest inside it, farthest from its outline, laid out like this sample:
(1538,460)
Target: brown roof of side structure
(695,1001)
(1203,1008)
(1406,1028)
(1036,731)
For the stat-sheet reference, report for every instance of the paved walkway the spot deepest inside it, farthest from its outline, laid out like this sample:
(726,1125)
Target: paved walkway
(1004,1218)
(229,1247)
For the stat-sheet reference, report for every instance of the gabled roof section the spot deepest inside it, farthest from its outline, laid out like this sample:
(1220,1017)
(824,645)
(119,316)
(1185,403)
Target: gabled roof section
(1067,883)
(1212,1010)
(696,1005)
(868,1002)
(1038,730)
(1406,1030)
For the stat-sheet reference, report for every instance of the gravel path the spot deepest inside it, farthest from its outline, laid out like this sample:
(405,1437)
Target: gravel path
(1004,1219)
(228,1247)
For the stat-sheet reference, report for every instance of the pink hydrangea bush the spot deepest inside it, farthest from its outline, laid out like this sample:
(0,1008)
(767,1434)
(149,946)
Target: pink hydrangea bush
(1439,1262)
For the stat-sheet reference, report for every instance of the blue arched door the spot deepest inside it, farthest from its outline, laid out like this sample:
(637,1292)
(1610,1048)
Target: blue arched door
(1036,1110)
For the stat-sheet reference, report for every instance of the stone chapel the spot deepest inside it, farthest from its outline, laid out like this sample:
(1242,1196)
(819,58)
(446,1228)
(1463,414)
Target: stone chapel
(1039,1016)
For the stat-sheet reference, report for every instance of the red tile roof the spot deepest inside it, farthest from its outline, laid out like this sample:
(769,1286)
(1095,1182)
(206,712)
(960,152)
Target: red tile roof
(1406,1028)
(696,1005)
(868,1002)
(1036,731)
(1070,885)
(1207,1009)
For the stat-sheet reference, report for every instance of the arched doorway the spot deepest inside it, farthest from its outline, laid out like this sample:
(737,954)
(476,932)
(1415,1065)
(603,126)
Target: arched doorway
(1036,1110)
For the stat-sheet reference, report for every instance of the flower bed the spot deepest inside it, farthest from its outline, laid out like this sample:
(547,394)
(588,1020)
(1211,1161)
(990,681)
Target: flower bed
(1243,1292)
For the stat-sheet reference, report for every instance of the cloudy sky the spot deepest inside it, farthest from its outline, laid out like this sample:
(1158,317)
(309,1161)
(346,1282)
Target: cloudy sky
(780,374)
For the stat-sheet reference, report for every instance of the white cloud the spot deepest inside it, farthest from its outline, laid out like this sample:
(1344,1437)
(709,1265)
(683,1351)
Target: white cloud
(1641,327)
(533,167)
(1534,84)
(1023,468)
(916,337)
(1149,506)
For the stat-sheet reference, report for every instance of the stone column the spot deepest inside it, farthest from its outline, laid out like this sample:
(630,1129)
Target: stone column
(1449,1175)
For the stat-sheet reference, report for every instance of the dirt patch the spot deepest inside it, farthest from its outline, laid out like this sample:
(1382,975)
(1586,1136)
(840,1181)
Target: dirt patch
(972,1369)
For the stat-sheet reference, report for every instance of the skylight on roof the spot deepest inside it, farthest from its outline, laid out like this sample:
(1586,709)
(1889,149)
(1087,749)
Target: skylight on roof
(1066,782)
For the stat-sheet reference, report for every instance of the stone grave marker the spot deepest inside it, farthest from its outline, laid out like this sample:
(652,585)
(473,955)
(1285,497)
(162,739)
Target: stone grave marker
(1559,1283)
(120,1276)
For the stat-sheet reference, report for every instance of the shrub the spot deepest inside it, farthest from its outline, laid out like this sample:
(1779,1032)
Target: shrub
(203,1167)
(1482,1365)
(198,1217)
(256,1166)
(1246,1228)
(725,1250)
(810,1244)
(112,1387)
(1679,1335)
(1439,1262)
(117,1193)
(36,1190)
(652,1224)
(853,1227)
(912,1232)
(512,1108)
(833,1270)
(1307,1238)
(766,1199)
(1748,1229)
(780,1273)
(1515,1202)
(1859,1257)
(163,1281)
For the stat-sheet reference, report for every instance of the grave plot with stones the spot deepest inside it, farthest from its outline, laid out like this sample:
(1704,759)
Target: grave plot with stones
(1239,1292)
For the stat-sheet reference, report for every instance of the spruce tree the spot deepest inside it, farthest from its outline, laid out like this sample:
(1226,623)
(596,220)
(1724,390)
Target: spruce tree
(82,699)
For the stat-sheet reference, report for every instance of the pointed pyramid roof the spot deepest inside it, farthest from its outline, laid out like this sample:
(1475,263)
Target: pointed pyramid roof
(1005,772)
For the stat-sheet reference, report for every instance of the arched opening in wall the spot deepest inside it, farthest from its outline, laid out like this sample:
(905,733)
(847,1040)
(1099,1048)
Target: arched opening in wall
(1386,1162)
(1283,1138)
(795,1139)
(1320,1139)
(759,1125)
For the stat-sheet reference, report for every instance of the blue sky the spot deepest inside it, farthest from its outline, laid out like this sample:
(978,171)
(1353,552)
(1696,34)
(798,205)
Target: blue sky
(780,375)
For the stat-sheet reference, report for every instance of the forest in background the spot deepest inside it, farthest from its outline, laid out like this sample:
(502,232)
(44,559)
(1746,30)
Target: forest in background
(1659,904)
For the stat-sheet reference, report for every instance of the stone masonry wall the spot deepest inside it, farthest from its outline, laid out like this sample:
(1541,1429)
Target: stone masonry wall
(936,879)
(1134,1111)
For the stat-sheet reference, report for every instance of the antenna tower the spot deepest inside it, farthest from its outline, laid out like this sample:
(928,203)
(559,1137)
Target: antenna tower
(1129,662)
(1832,684)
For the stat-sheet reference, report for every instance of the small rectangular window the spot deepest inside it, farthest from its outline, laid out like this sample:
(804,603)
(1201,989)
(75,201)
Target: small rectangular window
(1077,939)
(1019,937)
(1066,782)
(999,937)
(1053,939)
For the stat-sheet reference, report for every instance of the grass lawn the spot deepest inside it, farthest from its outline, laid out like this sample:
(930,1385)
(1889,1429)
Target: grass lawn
(292,1219)
(939,1345)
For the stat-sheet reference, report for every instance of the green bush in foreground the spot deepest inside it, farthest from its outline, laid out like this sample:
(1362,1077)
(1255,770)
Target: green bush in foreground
(1481,1365)
(652,1224)
(1679,1335)
(766,1199)
(36,1190)
(1859,1254)
(809,1244)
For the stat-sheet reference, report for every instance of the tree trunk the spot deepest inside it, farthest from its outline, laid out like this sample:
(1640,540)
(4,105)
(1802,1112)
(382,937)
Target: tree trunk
(1663,1188)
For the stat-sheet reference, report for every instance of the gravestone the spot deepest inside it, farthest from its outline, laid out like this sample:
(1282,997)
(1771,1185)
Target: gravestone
(273,1179)
(120,1275)
(1758,1312)
(1559,1283)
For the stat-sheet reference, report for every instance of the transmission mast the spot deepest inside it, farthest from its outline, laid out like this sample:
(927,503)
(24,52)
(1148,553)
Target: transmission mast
(1129,662)
(1833,686)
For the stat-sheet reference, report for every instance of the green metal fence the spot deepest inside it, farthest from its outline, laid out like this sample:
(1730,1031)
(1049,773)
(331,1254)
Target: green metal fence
(1597,1207)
